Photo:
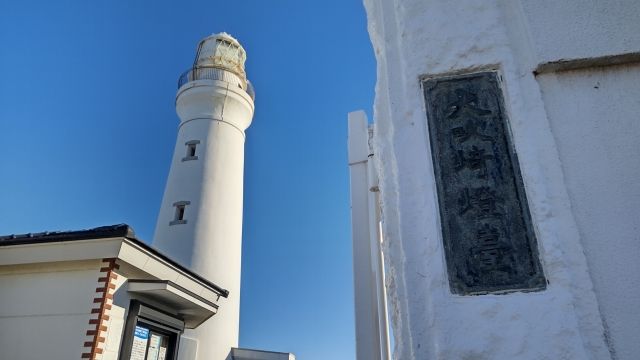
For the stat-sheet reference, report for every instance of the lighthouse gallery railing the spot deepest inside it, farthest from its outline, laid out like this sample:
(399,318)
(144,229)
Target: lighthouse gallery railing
(214,73)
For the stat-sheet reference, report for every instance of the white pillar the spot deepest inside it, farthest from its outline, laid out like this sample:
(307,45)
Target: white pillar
(200,220)
(372,332)
(377,260)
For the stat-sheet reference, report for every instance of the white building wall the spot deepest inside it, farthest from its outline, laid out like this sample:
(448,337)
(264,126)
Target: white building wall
(45,310)
(594,119)
(416,38)
(564,30)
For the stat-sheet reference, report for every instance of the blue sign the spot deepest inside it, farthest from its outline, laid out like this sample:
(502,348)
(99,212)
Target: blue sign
(141,333)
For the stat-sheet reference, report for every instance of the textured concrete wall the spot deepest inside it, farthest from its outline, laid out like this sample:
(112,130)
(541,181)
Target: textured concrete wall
(582,29)
(416,38)
(594,118)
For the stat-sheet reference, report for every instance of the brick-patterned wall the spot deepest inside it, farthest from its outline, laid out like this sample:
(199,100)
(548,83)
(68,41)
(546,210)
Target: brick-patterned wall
(102,304)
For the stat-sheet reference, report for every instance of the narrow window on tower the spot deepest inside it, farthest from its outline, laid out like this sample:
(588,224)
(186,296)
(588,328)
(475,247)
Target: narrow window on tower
(179,217)
(191,150)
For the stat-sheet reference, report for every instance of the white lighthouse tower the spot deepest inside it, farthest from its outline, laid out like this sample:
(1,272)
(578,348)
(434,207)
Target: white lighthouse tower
(200,221)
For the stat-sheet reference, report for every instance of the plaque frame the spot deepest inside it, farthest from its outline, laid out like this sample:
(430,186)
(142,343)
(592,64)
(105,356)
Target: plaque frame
(526,270)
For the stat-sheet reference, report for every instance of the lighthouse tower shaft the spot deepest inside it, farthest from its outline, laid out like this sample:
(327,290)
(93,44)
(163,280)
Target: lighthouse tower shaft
(200,220)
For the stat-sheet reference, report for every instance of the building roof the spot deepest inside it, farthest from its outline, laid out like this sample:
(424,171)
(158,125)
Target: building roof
(253,354)
(102,232)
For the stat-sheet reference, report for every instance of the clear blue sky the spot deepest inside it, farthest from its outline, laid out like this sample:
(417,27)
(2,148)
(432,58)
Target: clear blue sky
(88,126)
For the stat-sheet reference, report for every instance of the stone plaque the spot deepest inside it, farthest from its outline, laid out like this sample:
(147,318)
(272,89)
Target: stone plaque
(489,241)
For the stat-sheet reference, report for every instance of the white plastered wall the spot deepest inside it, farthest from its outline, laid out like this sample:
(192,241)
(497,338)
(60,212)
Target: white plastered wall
(415,38)
(594,118)
(578,29)
(593,114)
(45,309)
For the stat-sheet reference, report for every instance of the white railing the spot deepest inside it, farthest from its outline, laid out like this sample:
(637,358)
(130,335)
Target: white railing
(215,73)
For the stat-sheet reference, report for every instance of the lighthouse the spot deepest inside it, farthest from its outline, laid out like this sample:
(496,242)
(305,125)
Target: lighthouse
(200,219)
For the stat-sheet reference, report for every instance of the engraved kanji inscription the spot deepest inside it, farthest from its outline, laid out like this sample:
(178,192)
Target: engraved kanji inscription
(489,241)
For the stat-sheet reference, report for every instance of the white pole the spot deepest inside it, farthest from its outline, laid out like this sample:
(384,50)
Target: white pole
(370,304)
(377,261)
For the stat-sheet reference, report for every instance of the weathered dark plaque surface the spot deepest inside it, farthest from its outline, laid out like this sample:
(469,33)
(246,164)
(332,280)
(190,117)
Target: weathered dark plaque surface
(489,241)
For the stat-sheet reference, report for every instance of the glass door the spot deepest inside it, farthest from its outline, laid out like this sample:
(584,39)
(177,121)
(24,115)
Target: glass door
(151,344)
(158,345)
